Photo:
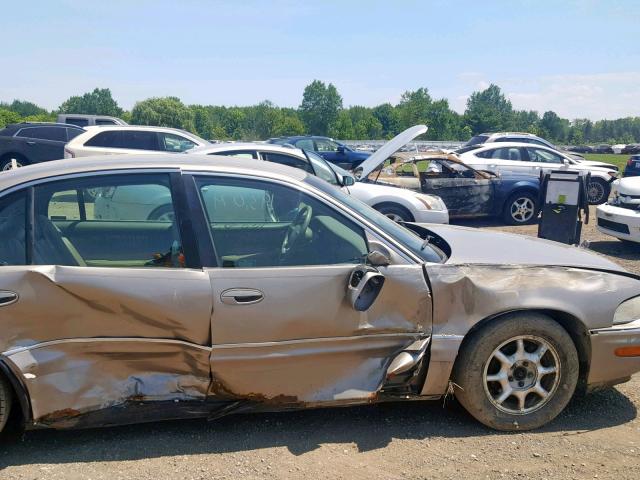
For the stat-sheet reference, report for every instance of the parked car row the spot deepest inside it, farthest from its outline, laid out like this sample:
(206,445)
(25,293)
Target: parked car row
(242,284)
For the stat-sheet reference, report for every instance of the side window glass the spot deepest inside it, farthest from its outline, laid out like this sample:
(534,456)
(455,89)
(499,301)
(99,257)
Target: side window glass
(45,133)
(326,145)
(73,133)
(139,140)
(13,219)
(237,153)
(81,122)
(511,153)
(322,169)
(110,139)
(288,160)
(262,224)
(104,122)
(175,143)
(543,156)
(110,221)
(305,144)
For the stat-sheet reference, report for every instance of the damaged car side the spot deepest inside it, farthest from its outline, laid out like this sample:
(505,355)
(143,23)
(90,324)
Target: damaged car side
(265,288)
(466,192)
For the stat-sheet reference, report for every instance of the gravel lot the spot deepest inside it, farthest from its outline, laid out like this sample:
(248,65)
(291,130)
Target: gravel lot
(596,437)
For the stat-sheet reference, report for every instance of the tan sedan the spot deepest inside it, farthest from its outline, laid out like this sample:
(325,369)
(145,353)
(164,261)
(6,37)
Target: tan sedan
(267,288)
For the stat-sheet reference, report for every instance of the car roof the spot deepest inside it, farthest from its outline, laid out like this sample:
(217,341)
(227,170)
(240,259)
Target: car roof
(100,128)
(224,147)
(18,126)
(504,134)
(105,163)
(487,146)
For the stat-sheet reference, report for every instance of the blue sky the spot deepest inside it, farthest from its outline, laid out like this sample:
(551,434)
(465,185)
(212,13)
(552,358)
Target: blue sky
(578,58)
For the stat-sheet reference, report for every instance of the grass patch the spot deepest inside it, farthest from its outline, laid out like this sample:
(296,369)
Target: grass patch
(617,159)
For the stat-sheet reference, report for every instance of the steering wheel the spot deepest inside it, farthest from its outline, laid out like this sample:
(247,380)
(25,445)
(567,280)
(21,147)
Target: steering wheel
(297,228)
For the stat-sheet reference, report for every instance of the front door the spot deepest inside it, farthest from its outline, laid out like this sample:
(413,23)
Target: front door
(106,311)
(283,330)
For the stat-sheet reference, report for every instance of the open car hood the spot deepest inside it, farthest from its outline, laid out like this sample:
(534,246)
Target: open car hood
(388,149)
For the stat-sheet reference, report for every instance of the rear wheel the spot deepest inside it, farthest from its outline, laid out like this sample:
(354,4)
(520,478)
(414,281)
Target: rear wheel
(5,402)
(518,372)
(6,162)
(395,212)
(521,209)
(598,191)
(163,213)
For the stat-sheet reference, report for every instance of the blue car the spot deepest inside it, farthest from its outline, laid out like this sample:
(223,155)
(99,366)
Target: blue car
(466,192)
(633,166)
(332,151)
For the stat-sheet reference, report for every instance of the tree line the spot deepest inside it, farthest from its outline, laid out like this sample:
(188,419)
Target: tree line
(321,112)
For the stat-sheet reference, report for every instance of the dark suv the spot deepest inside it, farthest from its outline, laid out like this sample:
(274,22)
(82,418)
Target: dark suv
(332,151)
(633,166)
(28,143)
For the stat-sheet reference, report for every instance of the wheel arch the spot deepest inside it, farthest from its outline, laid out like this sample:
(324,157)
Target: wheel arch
(19,390)
(13,154)
(572,325)
(396,204)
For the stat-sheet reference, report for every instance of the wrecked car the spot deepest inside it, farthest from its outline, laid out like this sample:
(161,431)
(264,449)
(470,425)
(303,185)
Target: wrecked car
(466,192)
(266,288)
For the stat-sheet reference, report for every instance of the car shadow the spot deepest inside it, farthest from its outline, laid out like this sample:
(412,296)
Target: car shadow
(616,248)
(369,428)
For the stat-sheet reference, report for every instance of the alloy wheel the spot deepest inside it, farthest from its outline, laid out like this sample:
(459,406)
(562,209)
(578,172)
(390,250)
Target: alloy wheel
(522,209)
(596,192)
(522,374)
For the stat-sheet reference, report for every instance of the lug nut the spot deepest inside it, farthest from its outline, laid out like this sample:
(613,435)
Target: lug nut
(521,384)
(511,379)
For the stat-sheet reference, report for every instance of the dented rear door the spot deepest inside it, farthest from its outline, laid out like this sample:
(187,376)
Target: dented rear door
(83,336)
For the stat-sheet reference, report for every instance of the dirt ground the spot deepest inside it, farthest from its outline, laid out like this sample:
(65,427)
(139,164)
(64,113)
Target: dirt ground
(596,437)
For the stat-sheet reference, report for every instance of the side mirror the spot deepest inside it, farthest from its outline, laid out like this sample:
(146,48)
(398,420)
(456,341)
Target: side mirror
(377,258)
(365,284)
(566,162)
(348,180)
(340,149)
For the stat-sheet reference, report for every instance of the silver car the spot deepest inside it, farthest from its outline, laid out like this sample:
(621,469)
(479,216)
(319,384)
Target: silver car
(268,289)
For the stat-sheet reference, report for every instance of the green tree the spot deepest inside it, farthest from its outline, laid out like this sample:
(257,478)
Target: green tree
(489,111)
(163,112)
(25,109)
(320,107)
(342,128)
(389,118)
(7,117)
(98,102)
(553,127)
(414,108)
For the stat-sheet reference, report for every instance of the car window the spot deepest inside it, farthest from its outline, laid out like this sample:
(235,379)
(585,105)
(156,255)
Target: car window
(139,140)
(543,156)
(73,133)
(109,139)
(286,227)
(108,221)
(105,122)
(506,153)
(289,160)
(324,145)
(44,133)
(238,154)
(175,143)
(405,170)
(13,229)
(81,122)
(478,139)
(305,144)
(321,168)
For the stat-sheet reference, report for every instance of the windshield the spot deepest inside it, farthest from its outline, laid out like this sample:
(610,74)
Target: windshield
(321,167)
(468,148)
(401,234)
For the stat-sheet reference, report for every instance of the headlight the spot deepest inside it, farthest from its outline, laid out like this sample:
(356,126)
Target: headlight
(613,174)
(628,311)
(429,201)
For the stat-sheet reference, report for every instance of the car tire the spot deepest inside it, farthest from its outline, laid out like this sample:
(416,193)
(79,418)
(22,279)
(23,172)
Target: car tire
(598,191)
(395,212)
(501,389)
(5,161)
(162,213)
(521,208)
(5,402)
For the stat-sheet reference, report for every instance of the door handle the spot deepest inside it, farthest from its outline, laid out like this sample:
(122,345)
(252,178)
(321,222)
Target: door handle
(31,143)
(241,296)
(7,297)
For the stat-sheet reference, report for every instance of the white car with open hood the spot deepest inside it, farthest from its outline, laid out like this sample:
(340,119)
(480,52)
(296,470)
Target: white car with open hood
(620,217)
